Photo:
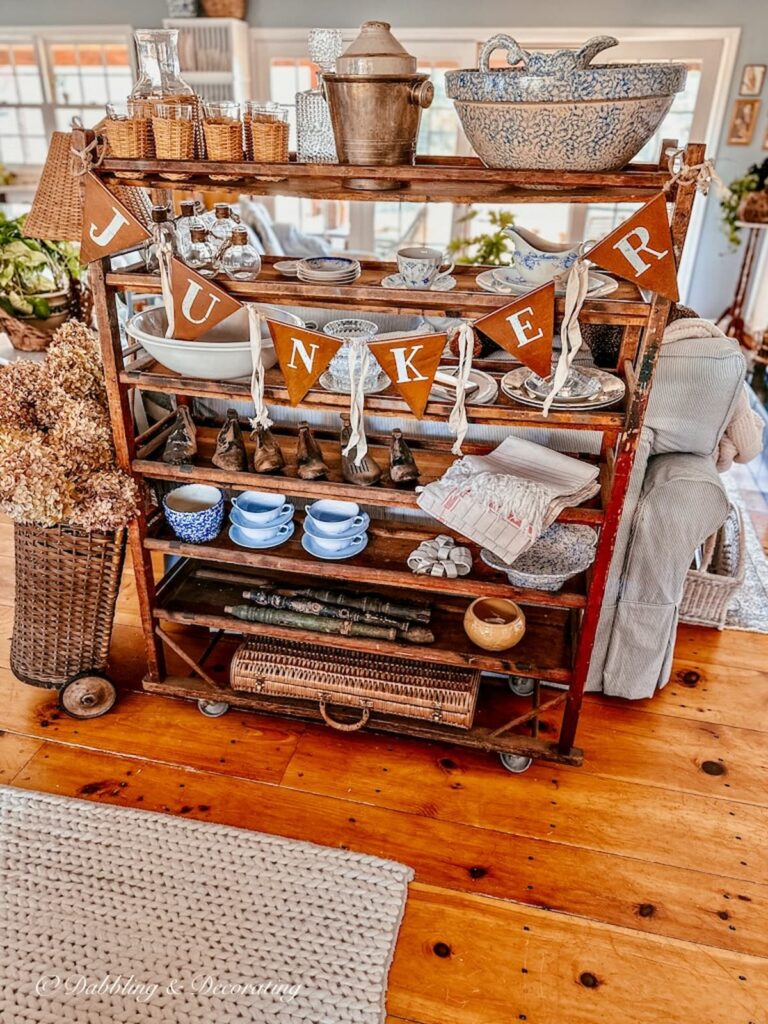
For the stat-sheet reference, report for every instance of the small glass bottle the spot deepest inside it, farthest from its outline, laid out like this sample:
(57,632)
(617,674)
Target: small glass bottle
(201,254)
(222,226)
(315,141)
(187,219)
(240,260)
(162,231)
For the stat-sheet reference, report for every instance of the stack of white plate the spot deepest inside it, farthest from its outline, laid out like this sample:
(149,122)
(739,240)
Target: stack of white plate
(328,270)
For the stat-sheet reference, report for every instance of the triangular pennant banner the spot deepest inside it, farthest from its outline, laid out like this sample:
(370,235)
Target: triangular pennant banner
(109,227)
(303,355)
(410,364)
(525,328)
(641,250)
(198,303)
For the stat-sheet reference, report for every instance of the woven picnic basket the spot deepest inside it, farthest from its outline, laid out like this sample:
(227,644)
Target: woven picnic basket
(224,8)
(67,583)
(709,589)
(356,679)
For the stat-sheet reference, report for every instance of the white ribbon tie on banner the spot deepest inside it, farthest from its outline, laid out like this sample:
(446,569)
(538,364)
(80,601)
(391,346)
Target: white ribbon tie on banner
(576,287)
(164,257)
(357,438)
(457,420)
(261,414)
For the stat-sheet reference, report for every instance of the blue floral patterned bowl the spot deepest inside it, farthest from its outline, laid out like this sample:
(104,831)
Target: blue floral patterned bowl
(195,512)
(562,551)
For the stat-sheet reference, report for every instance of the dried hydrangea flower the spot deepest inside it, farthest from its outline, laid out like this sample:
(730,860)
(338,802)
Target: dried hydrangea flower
(81,438)
(106,501)
(73,363)
(34,487)
(22,389)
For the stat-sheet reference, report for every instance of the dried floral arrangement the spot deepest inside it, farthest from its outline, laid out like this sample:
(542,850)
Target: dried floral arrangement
(57,462)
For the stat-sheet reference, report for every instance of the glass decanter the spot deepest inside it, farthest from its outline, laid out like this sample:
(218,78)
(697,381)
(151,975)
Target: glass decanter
(315,143)
(240,260)
(188,219)
(200,255)
(159,77)
(162,231)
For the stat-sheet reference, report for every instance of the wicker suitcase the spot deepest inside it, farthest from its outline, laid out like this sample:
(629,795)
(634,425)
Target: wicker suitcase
(371,682)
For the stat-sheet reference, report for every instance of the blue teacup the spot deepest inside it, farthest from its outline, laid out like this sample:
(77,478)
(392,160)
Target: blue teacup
(195,512)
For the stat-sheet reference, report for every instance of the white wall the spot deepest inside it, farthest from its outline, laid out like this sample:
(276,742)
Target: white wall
(716,266)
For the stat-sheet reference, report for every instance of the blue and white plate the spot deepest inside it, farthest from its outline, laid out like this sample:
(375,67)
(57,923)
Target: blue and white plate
(332,265)
(311,527)
(442,284)
(307,542)
(513,284)
(237,536)
(237,518)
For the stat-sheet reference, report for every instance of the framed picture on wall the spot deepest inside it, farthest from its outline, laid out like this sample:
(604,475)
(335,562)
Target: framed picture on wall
(752,79)
(741,130)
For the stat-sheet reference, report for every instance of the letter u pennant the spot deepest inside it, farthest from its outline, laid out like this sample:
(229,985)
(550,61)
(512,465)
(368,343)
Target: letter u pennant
(641,250)
(302,354)
(198,304)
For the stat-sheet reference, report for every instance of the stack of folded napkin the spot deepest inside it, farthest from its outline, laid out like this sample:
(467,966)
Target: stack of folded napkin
(504,501)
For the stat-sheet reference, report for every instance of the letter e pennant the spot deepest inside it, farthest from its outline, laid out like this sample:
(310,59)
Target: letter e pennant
(198,304)
(410,363)
(641,250)
(108,226)
(525,328)
(303,355)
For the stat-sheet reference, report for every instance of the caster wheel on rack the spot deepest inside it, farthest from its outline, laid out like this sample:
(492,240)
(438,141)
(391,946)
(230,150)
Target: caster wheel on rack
(522,686)
(516,763)
(88,695)
(212,708)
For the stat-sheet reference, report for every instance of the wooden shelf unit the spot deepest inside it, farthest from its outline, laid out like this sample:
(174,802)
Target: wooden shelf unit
(186,606)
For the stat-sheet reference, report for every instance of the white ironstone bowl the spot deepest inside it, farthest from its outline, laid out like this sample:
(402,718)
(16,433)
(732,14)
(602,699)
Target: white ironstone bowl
(562,551)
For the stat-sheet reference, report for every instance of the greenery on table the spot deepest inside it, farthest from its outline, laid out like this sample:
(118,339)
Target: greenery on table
(29,268)
(754,180)
(490,247)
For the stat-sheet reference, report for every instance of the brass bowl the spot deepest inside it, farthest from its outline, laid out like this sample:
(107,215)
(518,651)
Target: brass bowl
(494,623)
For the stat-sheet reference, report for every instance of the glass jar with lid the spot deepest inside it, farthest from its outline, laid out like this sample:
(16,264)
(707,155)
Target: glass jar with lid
(159,78)
(188,219)
(222,225)
(163,231)
(200,254)
(240,260)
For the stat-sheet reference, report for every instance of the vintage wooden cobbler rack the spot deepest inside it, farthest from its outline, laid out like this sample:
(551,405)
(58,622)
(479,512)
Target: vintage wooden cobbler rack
(184,611)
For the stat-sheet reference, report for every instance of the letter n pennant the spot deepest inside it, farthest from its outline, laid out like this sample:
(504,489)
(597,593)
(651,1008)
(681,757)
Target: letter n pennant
(303,355)
(108,226)
(641,250)
(198,303)
(410,363)
(525,328)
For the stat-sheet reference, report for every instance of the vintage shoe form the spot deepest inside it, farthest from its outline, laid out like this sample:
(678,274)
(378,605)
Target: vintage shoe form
(230,447)
(309,458)
(181,446)
(368,472)
(403,471)
(268,458)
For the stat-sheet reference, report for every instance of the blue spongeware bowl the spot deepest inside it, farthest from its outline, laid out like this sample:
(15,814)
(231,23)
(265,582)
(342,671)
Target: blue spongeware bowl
(195,512)
(562,551)
(559,111)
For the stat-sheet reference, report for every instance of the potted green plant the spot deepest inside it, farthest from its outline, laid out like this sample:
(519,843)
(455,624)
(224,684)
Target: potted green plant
(747,201)
(489,247)
(37,279)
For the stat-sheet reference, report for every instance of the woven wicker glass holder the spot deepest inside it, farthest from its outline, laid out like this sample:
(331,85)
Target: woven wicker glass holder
(266,140)
(129,139)
(174,140)
(223,143)
(67,583)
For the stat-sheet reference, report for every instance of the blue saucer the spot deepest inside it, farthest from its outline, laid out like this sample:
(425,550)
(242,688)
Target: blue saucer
(307,542)
(237,536)
(314,530)
(238,518)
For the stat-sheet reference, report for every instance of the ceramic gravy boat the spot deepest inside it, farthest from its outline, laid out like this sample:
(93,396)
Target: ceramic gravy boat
(538,261)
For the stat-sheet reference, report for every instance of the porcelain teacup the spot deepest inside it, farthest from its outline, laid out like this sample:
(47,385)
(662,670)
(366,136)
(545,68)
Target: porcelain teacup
(421,266)
(194,512)
(331,517)
(262,534)
(330,545)
(259,508)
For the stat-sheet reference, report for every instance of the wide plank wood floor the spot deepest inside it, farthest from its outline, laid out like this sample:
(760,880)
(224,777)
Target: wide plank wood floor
(631,891)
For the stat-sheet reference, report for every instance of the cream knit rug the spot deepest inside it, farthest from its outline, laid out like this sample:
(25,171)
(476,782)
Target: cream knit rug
(113,915)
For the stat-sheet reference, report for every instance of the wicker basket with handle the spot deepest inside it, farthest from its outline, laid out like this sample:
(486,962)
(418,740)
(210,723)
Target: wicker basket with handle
(224,8)
(709,589)
(356,679)
(67,583)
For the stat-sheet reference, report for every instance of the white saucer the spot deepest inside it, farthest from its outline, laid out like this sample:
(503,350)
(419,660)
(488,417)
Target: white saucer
(599,285)
(288,268)
(335,556)
(443,284)
(237,518)
(237,537)
(612,389)
(314,530)
(326,383)
(487,388)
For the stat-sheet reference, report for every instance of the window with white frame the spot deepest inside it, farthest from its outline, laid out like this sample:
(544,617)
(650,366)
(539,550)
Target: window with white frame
(48,76)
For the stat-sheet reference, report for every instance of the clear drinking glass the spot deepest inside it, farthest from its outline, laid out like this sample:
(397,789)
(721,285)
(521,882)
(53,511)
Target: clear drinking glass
(266,131)
(174,131)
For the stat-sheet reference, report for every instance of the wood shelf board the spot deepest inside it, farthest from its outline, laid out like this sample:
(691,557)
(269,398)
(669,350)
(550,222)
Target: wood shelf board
(190,600)
(478,737)
(432,464)
(625,306)
(384,560)
(503,412)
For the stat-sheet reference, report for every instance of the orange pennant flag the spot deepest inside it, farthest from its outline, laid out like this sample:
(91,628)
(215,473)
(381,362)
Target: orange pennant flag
(525,328)
(410,363)
(198,303)
(641,250)
(108,226)
(303,355)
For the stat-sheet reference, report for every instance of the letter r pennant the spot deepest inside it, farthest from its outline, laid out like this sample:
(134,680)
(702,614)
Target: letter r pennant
(525,328)
(302,354)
